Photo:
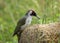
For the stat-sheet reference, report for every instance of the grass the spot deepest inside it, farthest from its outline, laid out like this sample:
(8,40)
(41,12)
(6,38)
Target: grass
(12,10)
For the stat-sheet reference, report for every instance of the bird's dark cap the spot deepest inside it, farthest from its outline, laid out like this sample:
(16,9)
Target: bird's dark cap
(32,13)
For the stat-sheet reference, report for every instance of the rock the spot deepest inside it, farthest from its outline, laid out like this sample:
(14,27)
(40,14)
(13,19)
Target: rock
(41,33)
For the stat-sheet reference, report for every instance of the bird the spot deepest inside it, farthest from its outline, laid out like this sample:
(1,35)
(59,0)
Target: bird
(24,22)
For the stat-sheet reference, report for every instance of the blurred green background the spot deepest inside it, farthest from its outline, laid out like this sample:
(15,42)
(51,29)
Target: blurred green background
(12,10)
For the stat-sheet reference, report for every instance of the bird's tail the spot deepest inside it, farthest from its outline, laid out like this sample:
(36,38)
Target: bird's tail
(17,31)
(14,34)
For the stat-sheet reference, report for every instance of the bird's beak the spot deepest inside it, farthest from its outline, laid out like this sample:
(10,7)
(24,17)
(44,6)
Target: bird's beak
(38,17)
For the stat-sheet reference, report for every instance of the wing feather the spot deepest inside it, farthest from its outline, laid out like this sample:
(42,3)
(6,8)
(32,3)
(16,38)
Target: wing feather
(19,24)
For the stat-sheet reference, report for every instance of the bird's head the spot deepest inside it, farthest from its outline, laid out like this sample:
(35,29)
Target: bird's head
(32,13)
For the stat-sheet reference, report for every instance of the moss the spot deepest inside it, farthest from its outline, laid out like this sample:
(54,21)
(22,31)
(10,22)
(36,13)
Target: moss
(41,33)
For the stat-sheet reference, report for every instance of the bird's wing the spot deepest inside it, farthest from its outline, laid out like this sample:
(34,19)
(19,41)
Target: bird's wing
(21,21)
(19,24)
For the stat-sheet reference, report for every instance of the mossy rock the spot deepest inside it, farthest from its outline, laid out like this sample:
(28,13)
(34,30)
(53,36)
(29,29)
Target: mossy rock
(41,33)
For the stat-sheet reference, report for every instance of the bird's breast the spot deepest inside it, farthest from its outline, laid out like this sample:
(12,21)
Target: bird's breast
(27,22)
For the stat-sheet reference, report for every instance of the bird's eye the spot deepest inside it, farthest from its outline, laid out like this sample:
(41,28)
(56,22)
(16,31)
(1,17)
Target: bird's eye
(33,13)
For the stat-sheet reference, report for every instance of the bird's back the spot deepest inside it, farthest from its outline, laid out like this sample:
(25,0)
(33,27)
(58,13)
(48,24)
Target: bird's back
(19,24)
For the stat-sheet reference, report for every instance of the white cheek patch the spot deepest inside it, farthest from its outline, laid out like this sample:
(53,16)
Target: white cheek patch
(29,12)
